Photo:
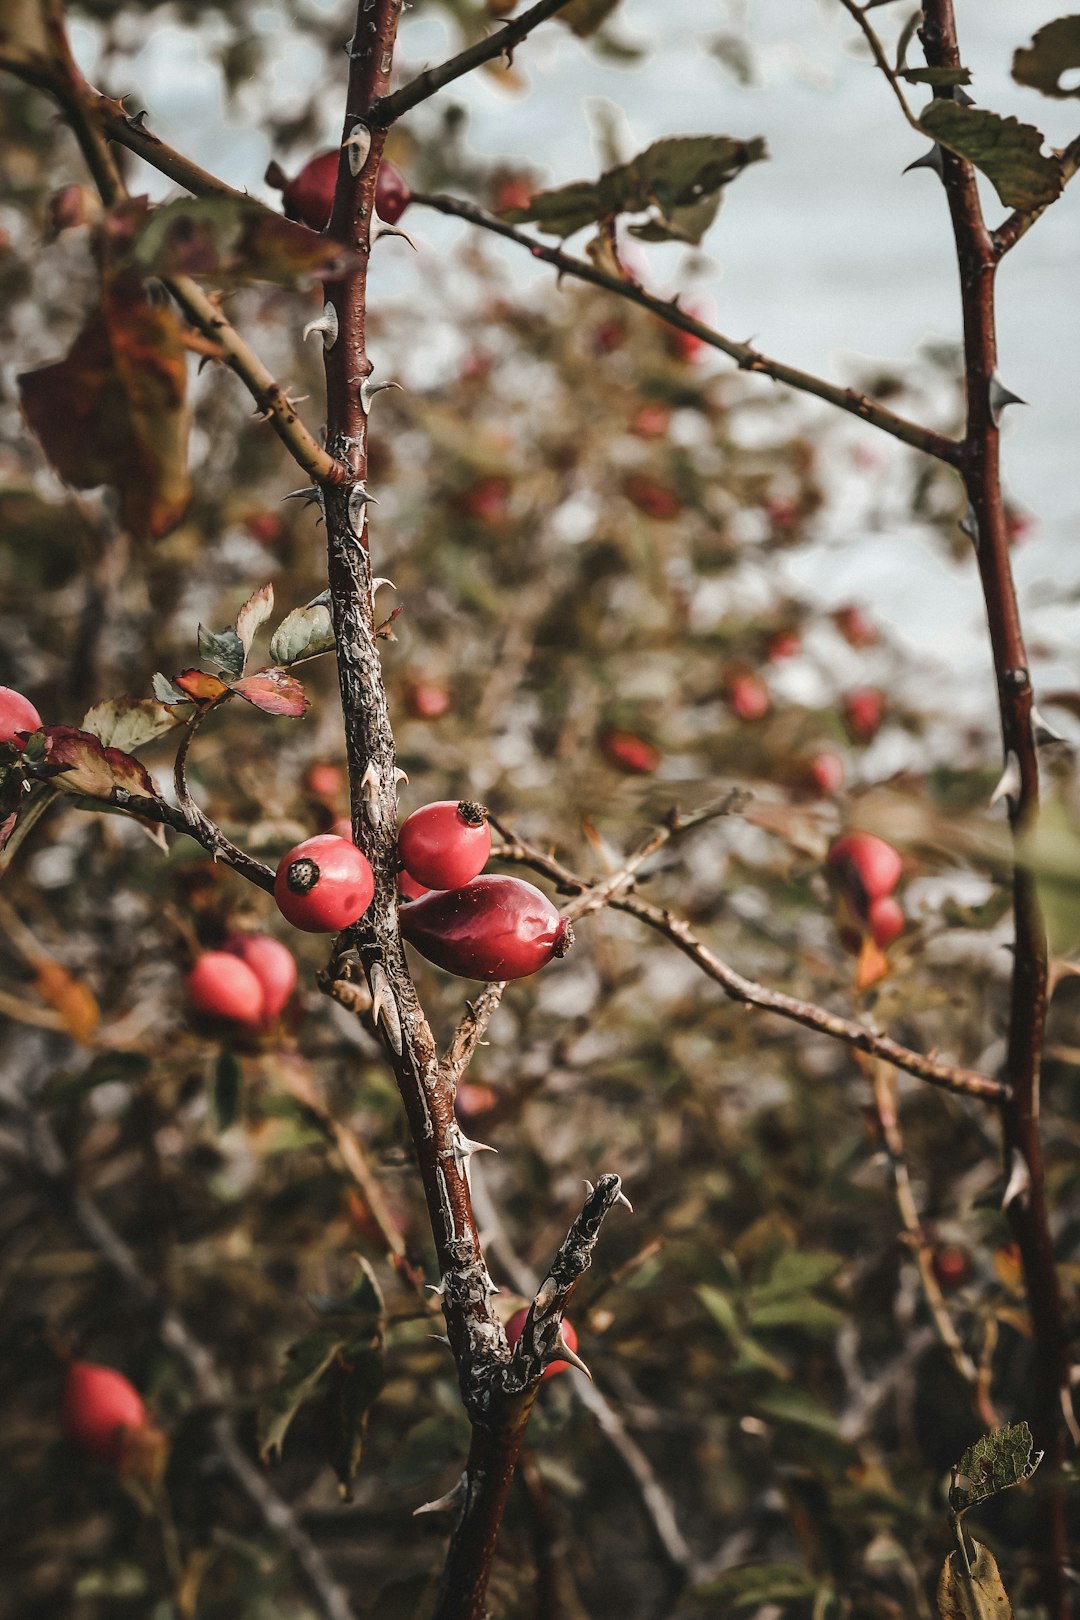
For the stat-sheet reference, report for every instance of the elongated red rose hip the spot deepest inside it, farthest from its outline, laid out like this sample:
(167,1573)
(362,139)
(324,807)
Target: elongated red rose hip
(324,884)
(445,844)
(392,194)
(309,196)
(493,928)
(100,1407)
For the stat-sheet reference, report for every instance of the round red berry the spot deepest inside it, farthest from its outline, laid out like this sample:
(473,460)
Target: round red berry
(867,867)
(494,928)
(886,920)
(324,884)
(446,844)
(273,965)
(392,194)
(222,986)
(17,713)
(514,1330)
(100,1407)
(863,711)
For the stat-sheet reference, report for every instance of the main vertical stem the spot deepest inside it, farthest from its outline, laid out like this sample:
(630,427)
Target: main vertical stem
(980,468)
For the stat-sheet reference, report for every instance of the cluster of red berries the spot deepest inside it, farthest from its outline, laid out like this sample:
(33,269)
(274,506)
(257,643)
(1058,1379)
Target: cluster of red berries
(491,927)
(248,982)
(867,870)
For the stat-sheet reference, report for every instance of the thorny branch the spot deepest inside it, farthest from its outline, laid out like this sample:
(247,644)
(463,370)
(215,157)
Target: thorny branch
(747,357)
(949,1076)
(48,1158)
(390,108)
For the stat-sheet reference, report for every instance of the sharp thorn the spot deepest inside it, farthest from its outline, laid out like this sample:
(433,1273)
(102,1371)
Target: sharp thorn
(400,775)
(311,495)
(1009,782)
(929,160)
(440,1338)
(438,1288)
(1042,730)
(1000,397)
(322,600)
(370,782)
(326,324)
(453,1497)
(368,390)
(621,1198)
(358,144)
(589,1188)
(969,525)
(392,230)
(563,1352)
(1019,1183)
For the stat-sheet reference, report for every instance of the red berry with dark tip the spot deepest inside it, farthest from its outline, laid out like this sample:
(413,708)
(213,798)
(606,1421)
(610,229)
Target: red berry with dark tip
(392,194)
(100,1408)
(493,928)
(310,196)
(17,713)
(867,867)
(324,884)
(222,986)
(273,965)
(446,844)
(514,1330)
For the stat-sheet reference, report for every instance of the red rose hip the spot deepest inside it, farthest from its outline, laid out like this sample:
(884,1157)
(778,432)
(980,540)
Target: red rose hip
(273,965)
(867,867)
(324,884)
(222,986)
(445,844)
(310,196)
(100,1407)
(570,1339)
(392,194)
(494,928)
(17,713)
(887,921)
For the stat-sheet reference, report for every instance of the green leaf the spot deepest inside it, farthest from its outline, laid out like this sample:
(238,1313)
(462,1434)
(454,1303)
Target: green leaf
(796,1271)
(680,224)
(232,240)
(994,1463)
(937,75)
(800,1311)
(786,1404)
(224,650)
(308,1359)
(1006,151)
(978,1595)
(228,1076)
(306,632)
(128,722)
(1054,50)
(749,1585)
(675,177)
(357,1378)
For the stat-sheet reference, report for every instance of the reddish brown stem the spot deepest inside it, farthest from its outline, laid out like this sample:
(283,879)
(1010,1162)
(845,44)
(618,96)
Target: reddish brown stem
(977,257)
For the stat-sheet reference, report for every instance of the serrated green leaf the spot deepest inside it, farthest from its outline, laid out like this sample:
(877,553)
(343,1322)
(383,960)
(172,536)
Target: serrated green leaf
(224,650)
(306,632)
(228,1076)
(128,722)
(307,1361)
(978,1595)
(1008,152)
(751,1584)
(1054,50)
(994,1463)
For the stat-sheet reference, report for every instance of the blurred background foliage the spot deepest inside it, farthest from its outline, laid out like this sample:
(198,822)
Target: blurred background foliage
(586,522)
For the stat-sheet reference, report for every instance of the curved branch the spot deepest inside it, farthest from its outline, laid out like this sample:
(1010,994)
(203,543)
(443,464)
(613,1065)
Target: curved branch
(949,1076)
(389,108)
(747,357)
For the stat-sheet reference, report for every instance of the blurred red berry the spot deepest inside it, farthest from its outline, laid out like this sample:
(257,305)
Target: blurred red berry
(855,627)
(825,773)
(100,1409)
(427,700)
(951,1266)
(651,420)
(630,753)
(863,711)
(650,496)
(487,499)
(748,697)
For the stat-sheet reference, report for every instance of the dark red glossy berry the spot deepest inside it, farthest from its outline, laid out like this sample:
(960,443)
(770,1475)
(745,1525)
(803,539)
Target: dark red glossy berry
(951,1266)
(222,986)
(863,712)
(493,928)
(887,921)
(408,888)
(272,963)
(17,713)
(868,868)
(309,197)
(630,753)
(100,1409)
(514,1330)
(392,194)
(323,884)
(445,844)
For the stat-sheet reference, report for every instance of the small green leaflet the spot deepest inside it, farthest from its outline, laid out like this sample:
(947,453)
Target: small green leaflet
(994,1463)
(304,633)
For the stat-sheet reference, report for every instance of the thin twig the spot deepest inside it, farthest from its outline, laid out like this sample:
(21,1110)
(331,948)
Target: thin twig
(747,357)
(426,84)
(949,1076)
(470,1031)
(878,52)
